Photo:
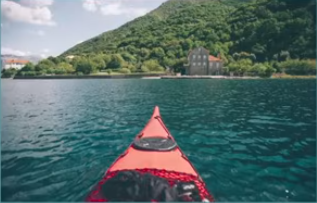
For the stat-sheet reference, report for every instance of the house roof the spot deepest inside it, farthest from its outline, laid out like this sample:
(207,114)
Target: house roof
(8,61)
(197,48)
(212,58)
(70,56)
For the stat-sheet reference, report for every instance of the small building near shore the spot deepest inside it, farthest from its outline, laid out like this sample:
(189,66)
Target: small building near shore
(202,63)
(14,63)
(70,57)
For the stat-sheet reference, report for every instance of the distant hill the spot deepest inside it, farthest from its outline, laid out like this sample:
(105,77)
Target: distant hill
(33,59)
(267,28)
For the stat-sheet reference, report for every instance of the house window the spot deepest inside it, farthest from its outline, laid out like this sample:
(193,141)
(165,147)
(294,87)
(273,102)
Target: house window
(194,56)
(199,56)
(217,65)
(199,63)
(194,64)
(204,63)
(204,56)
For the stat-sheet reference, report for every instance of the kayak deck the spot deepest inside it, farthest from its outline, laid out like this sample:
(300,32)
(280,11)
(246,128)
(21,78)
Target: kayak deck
(165,162)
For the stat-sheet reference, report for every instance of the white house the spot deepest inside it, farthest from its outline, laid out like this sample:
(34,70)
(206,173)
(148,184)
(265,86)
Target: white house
(14,63)
(70,57)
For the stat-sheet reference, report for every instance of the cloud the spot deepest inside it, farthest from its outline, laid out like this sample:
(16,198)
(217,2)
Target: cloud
(119,9)
(46,50)
(114,8)
(40,33)
(35,13)
(43,56)
(10,51)
(36,3)
(90,5)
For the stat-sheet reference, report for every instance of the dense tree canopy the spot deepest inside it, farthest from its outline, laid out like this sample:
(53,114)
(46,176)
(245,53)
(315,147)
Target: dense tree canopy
(244,32)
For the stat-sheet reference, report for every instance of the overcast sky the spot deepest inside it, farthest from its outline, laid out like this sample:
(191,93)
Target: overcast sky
(50,27)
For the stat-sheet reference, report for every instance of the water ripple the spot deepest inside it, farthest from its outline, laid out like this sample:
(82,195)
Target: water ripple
(251,140)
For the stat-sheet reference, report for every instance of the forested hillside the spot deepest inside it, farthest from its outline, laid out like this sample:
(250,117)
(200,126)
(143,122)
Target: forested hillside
(248,34)
(267,28)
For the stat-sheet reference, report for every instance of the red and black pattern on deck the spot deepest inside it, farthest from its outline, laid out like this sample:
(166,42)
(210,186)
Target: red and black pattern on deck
(170,176)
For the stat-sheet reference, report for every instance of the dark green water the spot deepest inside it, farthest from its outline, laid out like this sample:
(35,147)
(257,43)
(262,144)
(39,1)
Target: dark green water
(251,140)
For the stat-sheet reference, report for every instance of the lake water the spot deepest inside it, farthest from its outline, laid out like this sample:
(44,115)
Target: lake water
(251,140)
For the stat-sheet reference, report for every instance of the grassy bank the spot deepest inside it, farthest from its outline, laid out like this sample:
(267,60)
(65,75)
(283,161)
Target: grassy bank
(286,76)
(119,73)
(93,76)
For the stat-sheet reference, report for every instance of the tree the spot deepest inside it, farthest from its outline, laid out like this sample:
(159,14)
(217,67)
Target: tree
(84,66)
(60,71)
(263,70)
(168,62)
(98,62)
(50,71)
(187,44)
(55,60)
(128,57)
(106,59)
(212,37)
(28,67)
(284,55)
(44,65)
(144,53)
(236,56)
(132,49)
(8,73)
(252,57)
(75,61)
(241,66)
(145,69)
(170,54)
(158,53)
(153,65)
(298,67)
(179,65)
(64,67)
(116,61)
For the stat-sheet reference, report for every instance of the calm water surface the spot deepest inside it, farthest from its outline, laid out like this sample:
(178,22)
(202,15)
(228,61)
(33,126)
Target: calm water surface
(251,140)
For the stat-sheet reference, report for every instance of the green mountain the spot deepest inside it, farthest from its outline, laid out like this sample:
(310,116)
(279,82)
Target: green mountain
(270,29)
(171,29)
(253,37)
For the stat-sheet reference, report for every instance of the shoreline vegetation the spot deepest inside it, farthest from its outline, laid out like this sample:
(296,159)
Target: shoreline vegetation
(158,76)
(258,38)
(243,67)
(285,76)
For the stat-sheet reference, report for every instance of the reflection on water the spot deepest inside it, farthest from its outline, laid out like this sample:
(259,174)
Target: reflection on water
(251,140)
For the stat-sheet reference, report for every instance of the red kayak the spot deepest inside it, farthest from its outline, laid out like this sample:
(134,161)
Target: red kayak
(154,151)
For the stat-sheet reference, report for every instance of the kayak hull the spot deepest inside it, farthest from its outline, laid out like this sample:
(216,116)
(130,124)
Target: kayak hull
(174,160)
(170,163)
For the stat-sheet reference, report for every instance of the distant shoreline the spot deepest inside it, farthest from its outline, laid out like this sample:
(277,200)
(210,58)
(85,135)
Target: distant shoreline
(293,76)
(153,76)
(121,76)
(208,77)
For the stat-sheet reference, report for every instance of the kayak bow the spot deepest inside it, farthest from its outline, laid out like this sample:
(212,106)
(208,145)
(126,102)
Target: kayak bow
(155,151)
